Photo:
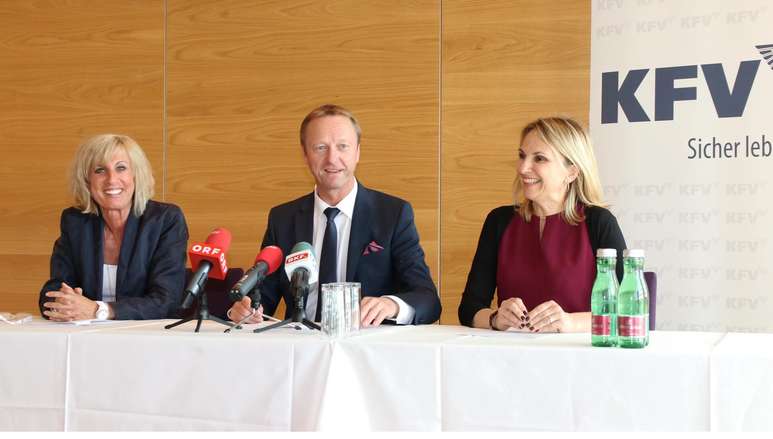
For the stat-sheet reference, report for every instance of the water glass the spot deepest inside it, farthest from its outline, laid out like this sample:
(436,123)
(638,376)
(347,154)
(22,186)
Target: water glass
(340,308)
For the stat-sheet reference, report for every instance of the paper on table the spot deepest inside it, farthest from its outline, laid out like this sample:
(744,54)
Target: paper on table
(15,319)
(87,322)
(268,320)
(508,332)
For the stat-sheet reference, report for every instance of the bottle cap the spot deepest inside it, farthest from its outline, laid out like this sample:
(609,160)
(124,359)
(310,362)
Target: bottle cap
(606,253)
(633,253)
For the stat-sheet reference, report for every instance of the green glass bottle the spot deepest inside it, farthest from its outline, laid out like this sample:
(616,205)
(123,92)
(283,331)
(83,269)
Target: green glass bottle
(633,303)
(603,299)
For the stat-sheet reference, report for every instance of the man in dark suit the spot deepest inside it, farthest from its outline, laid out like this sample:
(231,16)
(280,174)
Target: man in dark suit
(359,235)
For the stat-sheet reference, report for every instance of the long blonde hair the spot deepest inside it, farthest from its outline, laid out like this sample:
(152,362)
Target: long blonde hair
(99,150)
(572,142)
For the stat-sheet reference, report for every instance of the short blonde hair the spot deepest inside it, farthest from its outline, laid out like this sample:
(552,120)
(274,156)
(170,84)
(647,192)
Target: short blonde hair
(572,142)
(329,110)
(99,150)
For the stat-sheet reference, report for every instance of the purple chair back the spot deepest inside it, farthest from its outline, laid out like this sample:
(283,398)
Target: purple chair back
(217,292)
(651,278)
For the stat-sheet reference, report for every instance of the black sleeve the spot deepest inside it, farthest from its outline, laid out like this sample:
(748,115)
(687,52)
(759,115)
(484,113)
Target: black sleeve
(482,279)
(166,275)
(62,265)
(604,232)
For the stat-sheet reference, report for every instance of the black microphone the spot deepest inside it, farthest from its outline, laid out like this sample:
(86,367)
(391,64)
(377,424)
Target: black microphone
(300,287)
(267,261)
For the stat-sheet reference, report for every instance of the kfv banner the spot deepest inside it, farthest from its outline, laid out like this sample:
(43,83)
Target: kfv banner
(682,119)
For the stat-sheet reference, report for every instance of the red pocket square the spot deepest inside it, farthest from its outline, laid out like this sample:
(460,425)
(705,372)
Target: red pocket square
(372,247)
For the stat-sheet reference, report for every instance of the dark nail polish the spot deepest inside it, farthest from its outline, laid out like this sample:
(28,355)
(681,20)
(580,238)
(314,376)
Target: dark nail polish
(536,330)
(523,319)
(522,325)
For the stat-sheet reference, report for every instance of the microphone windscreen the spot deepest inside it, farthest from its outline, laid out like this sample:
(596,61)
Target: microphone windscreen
(220,238)
(303,246)
(272,256)
(302,256)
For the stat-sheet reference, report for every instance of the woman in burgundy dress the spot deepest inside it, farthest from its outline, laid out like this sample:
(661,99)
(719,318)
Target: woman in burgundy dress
(539,255)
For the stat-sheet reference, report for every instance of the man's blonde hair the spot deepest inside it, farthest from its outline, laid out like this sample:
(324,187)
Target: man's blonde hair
(329,110)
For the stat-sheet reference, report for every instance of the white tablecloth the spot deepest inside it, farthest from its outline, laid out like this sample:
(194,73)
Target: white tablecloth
(431,378)
(156,379)
(560,382)
(742,383)
(34,373)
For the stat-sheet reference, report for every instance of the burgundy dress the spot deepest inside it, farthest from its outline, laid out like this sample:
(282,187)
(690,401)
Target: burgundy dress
(560,266)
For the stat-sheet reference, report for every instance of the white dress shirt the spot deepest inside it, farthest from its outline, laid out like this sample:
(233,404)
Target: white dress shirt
(343,222)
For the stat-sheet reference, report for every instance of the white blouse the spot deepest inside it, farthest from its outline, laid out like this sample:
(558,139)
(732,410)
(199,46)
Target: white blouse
(108,282)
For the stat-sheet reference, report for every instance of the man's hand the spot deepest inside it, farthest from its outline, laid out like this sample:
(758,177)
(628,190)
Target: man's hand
(242,309)
(373,310)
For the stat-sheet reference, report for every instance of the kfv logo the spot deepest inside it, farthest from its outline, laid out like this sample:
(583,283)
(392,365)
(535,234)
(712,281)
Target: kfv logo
(766,50)
(729,100)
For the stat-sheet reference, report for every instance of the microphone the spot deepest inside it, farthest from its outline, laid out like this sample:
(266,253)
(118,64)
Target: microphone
(301,266)
(266,262)
(209,260)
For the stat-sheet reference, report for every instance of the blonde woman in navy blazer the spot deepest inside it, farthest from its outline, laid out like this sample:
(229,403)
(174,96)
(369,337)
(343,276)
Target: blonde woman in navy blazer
(120,255)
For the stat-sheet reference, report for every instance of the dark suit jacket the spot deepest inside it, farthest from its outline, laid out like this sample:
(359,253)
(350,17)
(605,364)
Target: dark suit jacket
(151,265)
(399,269)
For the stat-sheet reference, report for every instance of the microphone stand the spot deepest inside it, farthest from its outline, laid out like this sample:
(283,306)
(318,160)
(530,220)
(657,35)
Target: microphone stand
(300,286)
(202,313)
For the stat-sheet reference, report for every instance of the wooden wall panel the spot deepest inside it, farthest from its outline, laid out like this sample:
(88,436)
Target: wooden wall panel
(243,74)
(70,69)
(504,63)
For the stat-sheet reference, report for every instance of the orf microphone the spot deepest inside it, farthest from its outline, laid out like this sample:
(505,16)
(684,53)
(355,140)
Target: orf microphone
(266,262)
(301,266)
(208,258)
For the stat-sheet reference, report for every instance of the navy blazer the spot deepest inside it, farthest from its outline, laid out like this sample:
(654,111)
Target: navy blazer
(399,269)
(151,264)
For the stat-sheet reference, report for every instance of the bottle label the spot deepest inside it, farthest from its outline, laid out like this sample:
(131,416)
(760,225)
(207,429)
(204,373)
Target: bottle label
(601,325)
(632,326)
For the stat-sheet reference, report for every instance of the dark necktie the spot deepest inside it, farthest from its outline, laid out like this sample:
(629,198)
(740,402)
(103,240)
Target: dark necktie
(327,262)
